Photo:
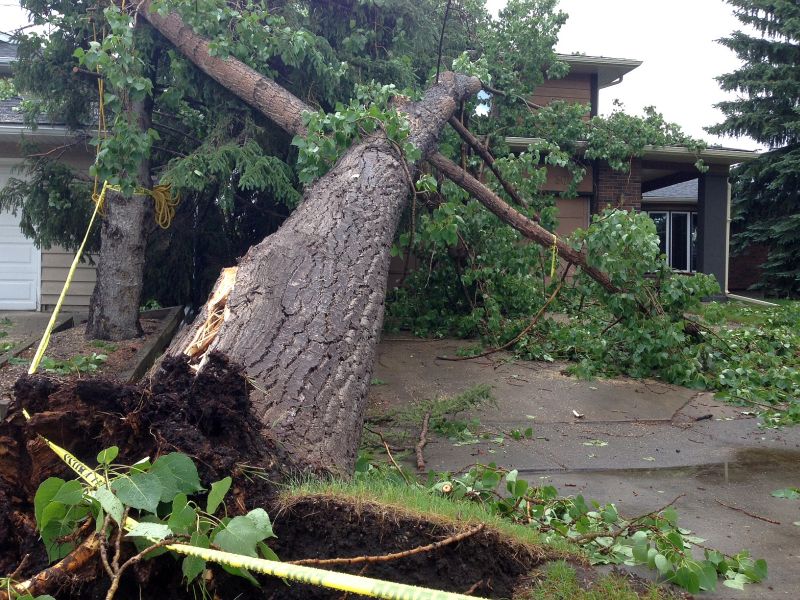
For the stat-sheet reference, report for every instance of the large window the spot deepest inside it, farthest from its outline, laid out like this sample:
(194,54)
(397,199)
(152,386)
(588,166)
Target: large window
(677,231)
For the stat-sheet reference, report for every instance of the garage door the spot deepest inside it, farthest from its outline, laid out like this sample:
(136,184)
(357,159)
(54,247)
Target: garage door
(19,262)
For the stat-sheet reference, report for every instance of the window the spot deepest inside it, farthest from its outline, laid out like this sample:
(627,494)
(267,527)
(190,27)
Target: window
(677,231)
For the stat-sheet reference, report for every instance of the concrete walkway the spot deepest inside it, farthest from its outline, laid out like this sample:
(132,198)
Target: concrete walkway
(638,444)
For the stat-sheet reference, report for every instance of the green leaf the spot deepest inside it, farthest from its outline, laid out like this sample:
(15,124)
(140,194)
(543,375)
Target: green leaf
(663,564)
(70,493)
(671,515)
(141,491)
(110,503)
(640,553)
(153,532)
(217,494)
(183,517)
(791,493)
(177,473)
(108,455)
(241,534)
(193,566)
(261,522)
(44,495)
(267,552)
(707,576)
(54,511)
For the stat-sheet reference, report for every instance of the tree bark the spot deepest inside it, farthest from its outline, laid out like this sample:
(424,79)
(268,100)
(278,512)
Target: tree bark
(114,306)
(306,309)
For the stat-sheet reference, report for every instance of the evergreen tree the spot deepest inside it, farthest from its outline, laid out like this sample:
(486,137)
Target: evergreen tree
(767,190)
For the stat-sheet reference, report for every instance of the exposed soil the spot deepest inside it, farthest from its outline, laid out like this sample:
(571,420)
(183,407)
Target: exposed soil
(323,526)
(208,417)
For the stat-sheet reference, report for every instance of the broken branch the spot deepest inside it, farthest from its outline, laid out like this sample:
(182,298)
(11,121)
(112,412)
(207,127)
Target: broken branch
(525,225)
(749,514)
(52,577)
(487,157)
(522,333)
(423,439)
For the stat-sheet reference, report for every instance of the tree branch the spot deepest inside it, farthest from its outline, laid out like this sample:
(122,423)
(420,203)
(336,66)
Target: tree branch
(487,157)
(522,333)
(526,226)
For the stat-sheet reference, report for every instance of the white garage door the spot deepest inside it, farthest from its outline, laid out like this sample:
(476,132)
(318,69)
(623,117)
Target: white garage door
(19,262)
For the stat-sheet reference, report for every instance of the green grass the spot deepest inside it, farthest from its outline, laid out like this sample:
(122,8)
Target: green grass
(561,583)
(443,406)
(745,313)
(422,504)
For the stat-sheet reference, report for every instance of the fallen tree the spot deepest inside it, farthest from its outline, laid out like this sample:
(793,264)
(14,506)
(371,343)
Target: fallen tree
(306,307)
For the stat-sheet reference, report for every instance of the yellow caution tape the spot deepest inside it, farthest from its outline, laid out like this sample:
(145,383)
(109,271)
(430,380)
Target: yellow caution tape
(554,257)
(37,358)
(354,584)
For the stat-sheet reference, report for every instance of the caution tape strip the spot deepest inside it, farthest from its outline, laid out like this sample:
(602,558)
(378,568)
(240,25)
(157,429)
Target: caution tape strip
(355,584)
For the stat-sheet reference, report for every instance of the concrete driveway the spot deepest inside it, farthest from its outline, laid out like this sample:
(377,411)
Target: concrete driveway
(638,444)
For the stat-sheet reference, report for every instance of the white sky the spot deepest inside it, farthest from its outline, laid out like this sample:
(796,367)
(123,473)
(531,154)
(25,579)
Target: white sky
(675,40)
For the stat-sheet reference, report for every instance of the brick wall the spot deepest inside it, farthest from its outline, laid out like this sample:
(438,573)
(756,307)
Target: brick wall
(619,189)
(745,268)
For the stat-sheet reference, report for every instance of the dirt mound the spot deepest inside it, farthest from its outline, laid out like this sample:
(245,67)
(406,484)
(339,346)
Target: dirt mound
(487,563)
(208,417)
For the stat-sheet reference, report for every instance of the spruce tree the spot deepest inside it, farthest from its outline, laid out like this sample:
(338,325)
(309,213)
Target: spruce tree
(767,190)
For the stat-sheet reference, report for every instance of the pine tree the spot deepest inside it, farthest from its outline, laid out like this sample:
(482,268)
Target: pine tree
(767,190)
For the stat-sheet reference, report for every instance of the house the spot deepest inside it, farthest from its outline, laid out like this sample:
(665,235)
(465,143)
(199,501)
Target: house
(31,278)
(694,228)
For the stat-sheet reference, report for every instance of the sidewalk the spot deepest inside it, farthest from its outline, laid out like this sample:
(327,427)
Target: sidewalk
(638,444)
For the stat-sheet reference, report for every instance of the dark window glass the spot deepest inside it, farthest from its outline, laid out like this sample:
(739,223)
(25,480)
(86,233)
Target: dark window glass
(679,255)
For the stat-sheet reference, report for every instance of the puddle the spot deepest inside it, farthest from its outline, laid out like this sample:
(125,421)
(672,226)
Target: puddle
(749,464)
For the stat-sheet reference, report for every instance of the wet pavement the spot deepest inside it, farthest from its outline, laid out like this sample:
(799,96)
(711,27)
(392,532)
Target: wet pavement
(638,444)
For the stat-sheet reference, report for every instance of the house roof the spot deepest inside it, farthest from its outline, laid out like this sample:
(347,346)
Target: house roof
(609,71)
(686,190)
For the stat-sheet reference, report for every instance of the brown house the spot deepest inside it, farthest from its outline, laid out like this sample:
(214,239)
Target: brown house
(694,231)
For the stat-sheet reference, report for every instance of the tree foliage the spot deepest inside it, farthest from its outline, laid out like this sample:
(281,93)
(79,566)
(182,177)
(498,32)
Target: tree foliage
(766,197)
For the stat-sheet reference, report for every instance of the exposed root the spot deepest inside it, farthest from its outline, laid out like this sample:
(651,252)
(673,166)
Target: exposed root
(61,572)
(394,555)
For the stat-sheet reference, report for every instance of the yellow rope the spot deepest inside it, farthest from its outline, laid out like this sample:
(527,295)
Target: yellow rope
(164,201)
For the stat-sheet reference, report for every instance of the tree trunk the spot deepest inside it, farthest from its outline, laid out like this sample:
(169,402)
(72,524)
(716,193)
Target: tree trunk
(114,307)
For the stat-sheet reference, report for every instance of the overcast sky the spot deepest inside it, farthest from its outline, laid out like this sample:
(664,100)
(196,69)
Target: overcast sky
(675,40)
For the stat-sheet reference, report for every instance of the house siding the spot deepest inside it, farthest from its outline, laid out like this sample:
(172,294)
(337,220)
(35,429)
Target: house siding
(573,213)
(55,266)
(575,88)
